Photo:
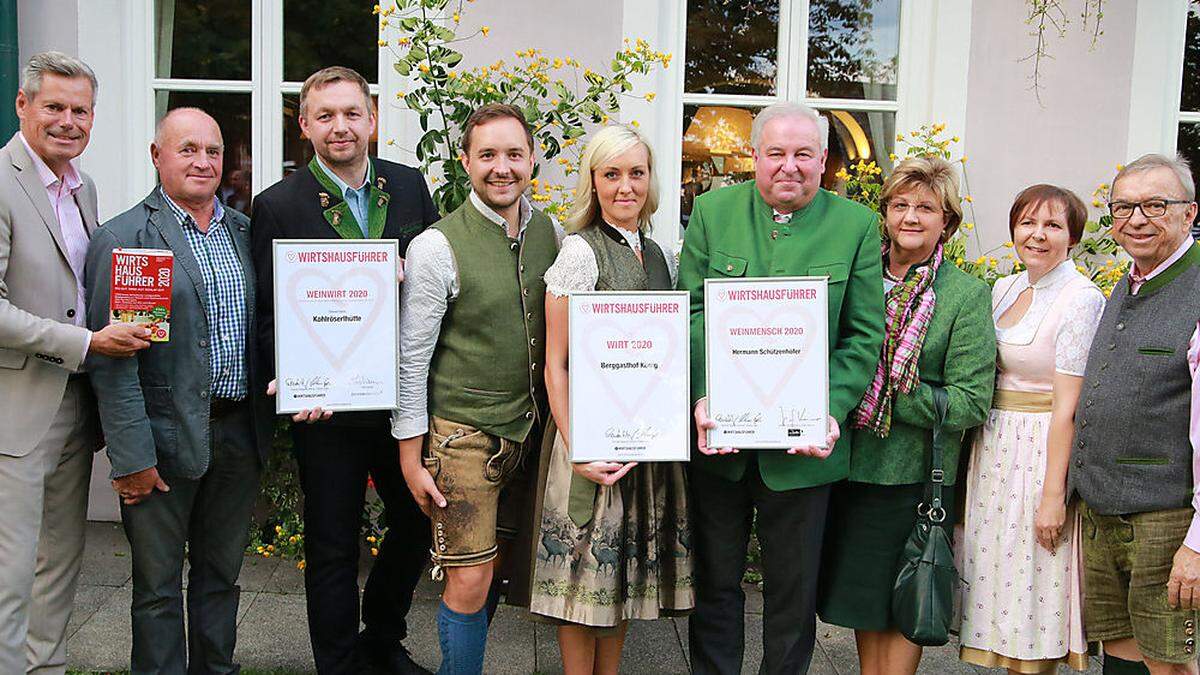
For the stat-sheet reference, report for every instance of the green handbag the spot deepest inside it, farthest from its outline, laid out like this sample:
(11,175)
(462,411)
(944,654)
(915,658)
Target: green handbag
(923,595)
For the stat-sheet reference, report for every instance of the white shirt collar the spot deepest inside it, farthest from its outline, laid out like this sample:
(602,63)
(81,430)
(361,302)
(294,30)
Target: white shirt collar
(526,211)
(1060,274)
(634,238)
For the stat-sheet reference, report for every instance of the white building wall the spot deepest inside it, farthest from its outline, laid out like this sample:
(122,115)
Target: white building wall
(1073,138)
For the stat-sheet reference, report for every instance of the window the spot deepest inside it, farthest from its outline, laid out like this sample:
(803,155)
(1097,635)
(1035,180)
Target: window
(1189,100)
(244,61)
(838,56)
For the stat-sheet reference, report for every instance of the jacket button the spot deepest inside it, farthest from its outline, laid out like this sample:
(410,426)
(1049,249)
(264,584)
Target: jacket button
(532,342)
(529,316)
(529,415)
(70,314)
(1083,424)
(525,292)
(1120,326)
(1080,443)
(1088,404)
(521,267)
(1079,463)
(774,234)
(533,366)
(729,268)
(203,343)
(1112,347)
(512,246)
(204,394)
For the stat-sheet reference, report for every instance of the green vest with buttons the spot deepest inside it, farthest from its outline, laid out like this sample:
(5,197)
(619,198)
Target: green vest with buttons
(486,370)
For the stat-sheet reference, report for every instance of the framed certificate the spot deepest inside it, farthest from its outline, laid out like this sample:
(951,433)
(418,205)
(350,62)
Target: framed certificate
(629,376)
(337,324)
(767,358)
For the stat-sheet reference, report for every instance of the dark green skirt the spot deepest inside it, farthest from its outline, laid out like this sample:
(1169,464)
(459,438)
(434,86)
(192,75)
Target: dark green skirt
(864,537)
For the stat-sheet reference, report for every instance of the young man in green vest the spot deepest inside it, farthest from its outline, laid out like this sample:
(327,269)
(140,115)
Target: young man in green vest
(782,224)
(344,193)
(472,390)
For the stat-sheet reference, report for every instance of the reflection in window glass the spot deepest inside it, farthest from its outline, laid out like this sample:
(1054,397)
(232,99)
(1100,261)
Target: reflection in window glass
(853,48)
(717,152)
(232,113)
(297,150)
(319,33)
(732,47)
(1191,60)
(202,39)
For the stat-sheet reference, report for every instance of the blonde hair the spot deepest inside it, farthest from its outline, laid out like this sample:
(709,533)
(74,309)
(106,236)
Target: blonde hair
(934,173)
(606,144)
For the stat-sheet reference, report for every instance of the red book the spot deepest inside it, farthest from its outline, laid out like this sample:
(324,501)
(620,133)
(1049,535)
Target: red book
(141,289)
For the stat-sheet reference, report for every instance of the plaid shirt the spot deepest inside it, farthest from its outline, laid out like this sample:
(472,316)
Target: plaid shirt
(225,286)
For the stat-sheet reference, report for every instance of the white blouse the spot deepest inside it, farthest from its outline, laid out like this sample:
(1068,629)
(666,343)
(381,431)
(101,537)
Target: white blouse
(575,267)
(1079,319)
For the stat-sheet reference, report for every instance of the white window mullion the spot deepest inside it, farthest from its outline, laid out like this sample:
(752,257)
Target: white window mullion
(214,86)
(1189,117)
(796,55)
(737,100)
(268,80)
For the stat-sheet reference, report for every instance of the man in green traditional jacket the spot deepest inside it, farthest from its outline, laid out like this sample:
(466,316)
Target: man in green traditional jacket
(782,224)
(473,396)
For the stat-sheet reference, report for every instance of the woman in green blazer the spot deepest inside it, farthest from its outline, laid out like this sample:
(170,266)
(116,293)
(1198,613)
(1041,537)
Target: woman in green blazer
(938,333)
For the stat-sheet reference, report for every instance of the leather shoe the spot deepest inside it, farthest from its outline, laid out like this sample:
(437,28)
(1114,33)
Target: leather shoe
(391,658)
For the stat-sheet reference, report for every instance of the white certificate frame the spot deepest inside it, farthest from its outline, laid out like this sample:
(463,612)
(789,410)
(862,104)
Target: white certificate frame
(334,369)
(742,402)
(602,428)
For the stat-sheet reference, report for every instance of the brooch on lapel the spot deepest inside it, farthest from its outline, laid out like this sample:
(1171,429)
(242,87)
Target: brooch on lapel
(337,217)
(324,199)
(380,181)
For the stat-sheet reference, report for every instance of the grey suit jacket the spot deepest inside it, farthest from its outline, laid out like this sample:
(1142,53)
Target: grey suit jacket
(39,343)
(154,407)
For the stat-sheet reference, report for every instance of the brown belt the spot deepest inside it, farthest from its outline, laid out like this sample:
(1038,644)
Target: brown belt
(220,407)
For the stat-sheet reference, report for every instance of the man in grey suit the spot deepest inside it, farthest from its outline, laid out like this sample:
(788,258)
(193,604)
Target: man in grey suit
(47,413)
(186,434)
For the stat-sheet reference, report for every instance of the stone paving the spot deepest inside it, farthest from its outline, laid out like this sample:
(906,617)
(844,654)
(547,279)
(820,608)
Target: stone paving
(273,633)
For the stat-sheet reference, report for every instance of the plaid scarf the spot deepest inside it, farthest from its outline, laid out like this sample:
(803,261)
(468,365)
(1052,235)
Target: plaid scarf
(909,307)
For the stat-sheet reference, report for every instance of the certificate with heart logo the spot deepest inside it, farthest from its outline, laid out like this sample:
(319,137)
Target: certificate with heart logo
(629,376)
(767,358)
(337,312)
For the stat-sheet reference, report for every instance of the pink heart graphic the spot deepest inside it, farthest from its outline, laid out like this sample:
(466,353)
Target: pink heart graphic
(340,282)
(291,256)
(656,329)
(777,317)
(586,307)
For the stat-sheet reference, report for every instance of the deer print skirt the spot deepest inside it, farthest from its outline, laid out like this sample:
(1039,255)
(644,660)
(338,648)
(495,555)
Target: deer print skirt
(606,554)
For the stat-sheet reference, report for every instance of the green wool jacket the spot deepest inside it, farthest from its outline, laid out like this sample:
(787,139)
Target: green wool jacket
(959,354)
(732,234)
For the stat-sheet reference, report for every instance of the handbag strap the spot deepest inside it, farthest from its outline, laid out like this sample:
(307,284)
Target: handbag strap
(937,476)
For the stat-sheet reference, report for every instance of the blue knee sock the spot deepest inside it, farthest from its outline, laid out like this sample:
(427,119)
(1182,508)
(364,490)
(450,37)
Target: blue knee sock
(1116,666)
(463,638)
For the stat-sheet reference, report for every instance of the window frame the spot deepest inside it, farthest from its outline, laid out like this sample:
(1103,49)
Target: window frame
(266,88)
(931,85)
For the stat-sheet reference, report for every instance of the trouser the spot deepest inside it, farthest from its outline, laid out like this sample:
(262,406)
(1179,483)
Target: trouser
(209,518)
(45,494)
(335,462)
(790,528)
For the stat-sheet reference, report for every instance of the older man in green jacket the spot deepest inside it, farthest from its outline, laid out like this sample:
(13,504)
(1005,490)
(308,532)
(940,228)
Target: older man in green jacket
(782,224)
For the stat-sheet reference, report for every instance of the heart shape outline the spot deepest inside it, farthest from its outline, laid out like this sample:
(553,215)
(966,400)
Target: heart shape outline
(336,360)
(663,325)
(766,395)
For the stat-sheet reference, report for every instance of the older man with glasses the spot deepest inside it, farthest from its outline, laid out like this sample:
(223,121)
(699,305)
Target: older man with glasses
(1137,427)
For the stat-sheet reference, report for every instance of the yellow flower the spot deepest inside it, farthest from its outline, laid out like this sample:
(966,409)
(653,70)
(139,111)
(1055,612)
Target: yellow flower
(958,261)
(375,10)
(456,17)
(485,30)
(892,156)
(1008,244)
(300,565)
(278,529)
(383,23)
(293,539)
(1081,269)
(963,160)
(968,226)
(374,551)
(534,182)
(424,68)
(271,548)
(968,199)
(383,43)
(650,96)
(451,75)
(634,123)
(1120,167)
(260,549)
(980,260)
(1096,203)
(558,63)
(954,138)
(403,41)
(266,555)
(899,137)
(371,539)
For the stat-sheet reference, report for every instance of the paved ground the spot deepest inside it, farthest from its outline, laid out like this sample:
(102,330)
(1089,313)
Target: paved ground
(273,627)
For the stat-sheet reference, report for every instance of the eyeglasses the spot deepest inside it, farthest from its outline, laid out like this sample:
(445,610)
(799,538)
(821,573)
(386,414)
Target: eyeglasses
(900,208)
(1151,208)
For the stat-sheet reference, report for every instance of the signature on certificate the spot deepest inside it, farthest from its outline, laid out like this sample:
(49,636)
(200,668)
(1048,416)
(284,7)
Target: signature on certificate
(306,384)
(641,432)
(734,420)
(793,418)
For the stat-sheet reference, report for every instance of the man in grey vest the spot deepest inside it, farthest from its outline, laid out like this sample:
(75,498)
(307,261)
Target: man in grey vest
(472,347)
(1137,433)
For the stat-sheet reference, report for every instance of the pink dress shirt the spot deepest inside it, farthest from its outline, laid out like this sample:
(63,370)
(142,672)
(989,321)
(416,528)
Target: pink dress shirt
(61,193)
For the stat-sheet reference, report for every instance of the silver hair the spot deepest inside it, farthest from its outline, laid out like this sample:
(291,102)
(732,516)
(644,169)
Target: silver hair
(1153,161)
(55,63)
(789,109)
